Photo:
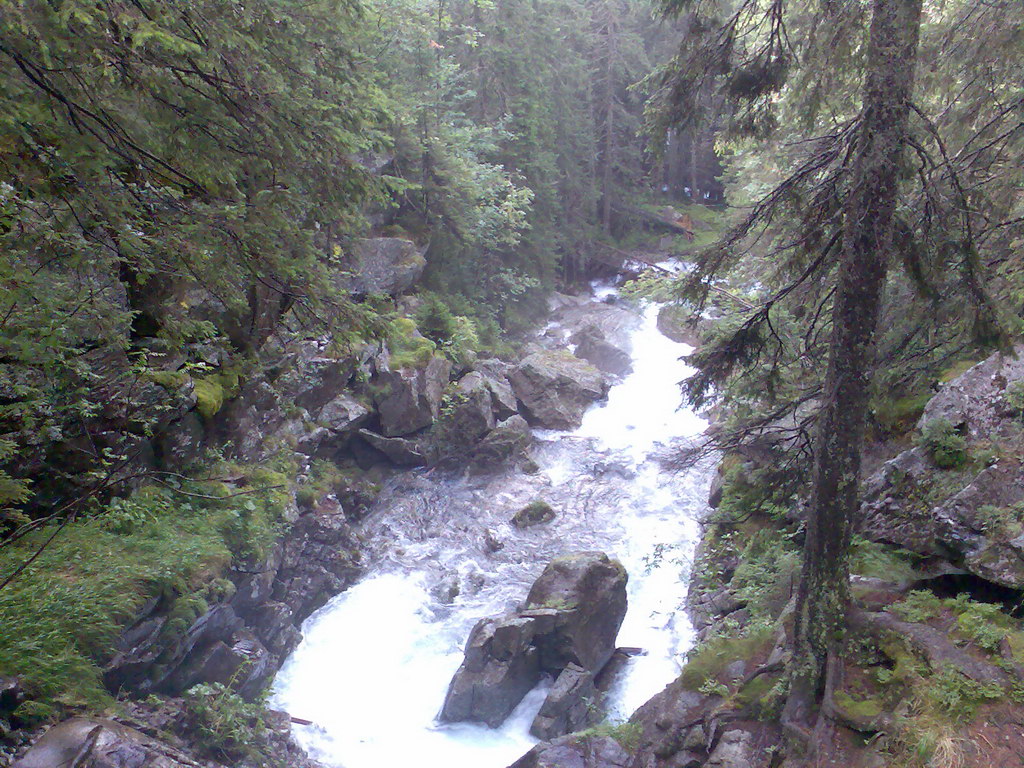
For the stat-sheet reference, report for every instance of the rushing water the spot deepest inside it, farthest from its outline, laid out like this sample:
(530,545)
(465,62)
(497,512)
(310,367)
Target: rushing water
(375,662)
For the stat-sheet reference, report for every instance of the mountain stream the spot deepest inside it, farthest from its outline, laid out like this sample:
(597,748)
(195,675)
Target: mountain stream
(374,665)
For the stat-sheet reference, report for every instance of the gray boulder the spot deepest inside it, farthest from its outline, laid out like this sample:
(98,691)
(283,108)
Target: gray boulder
(399,450)
(570,706)
(411,397)
(555,387)
(503,399)
(737,748)
(981,525)
(472,413)
(508,438)
(592,346)
(387,265)
(974,400)
(87,742)
(342,413)
(679,324)
(500,667)
(576,752)
(571,617)
(890,511)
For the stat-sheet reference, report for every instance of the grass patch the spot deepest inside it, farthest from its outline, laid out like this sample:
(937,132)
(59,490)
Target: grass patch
(408,348)
(707,662)
(627,734)
(869,558)
(63,615)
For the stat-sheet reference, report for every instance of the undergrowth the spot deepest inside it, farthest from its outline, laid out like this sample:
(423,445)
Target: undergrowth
(62,616)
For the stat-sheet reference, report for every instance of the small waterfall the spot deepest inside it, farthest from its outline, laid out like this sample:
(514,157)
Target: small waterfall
(375,662)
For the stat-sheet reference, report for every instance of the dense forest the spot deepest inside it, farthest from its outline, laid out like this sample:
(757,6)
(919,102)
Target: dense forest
(275,274)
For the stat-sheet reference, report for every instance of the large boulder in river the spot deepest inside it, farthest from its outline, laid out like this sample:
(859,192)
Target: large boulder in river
(592,346)
(410,398)
(571,617)
(388,265)
(555,387)
(587,592)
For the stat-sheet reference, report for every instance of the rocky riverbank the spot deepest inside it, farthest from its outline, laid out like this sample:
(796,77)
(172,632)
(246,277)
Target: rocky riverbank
(935,664)
(342,425)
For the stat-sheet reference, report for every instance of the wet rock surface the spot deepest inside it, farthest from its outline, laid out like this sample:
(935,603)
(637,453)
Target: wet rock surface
(592,346)
(243,639)
(570,618)
(384,265)
(576,752)
(556,387)
(411,397)
(97,743)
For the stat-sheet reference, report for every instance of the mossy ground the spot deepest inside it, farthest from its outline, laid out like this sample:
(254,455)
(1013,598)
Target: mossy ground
(63,614)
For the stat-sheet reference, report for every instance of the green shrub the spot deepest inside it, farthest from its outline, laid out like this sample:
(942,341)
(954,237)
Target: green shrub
(919,606)
(957,695)
(946,446)
(1014,397)
(225,726)
(765,576)
(627,734)
(434,319)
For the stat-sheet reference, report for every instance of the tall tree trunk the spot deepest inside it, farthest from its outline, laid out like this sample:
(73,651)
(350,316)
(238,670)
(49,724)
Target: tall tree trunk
(608,152)
(694,132)
(823,594)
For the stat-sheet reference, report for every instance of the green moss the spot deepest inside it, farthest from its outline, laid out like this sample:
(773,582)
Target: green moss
(899,416)
(955,370)
(168,379)
(536,512)
(869,558)
(1015,639)
(408,348)
(709,660)
(865,709)
(209,396)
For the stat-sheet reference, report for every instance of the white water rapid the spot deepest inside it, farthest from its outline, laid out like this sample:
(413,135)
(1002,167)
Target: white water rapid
(374,665)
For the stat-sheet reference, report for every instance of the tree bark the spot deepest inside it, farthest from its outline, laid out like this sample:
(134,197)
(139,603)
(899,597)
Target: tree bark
(823,593)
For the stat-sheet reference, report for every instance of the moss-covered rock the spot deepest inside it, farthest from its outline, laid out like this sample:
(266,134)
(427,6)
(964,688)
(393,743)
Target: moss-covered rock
(536,512)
